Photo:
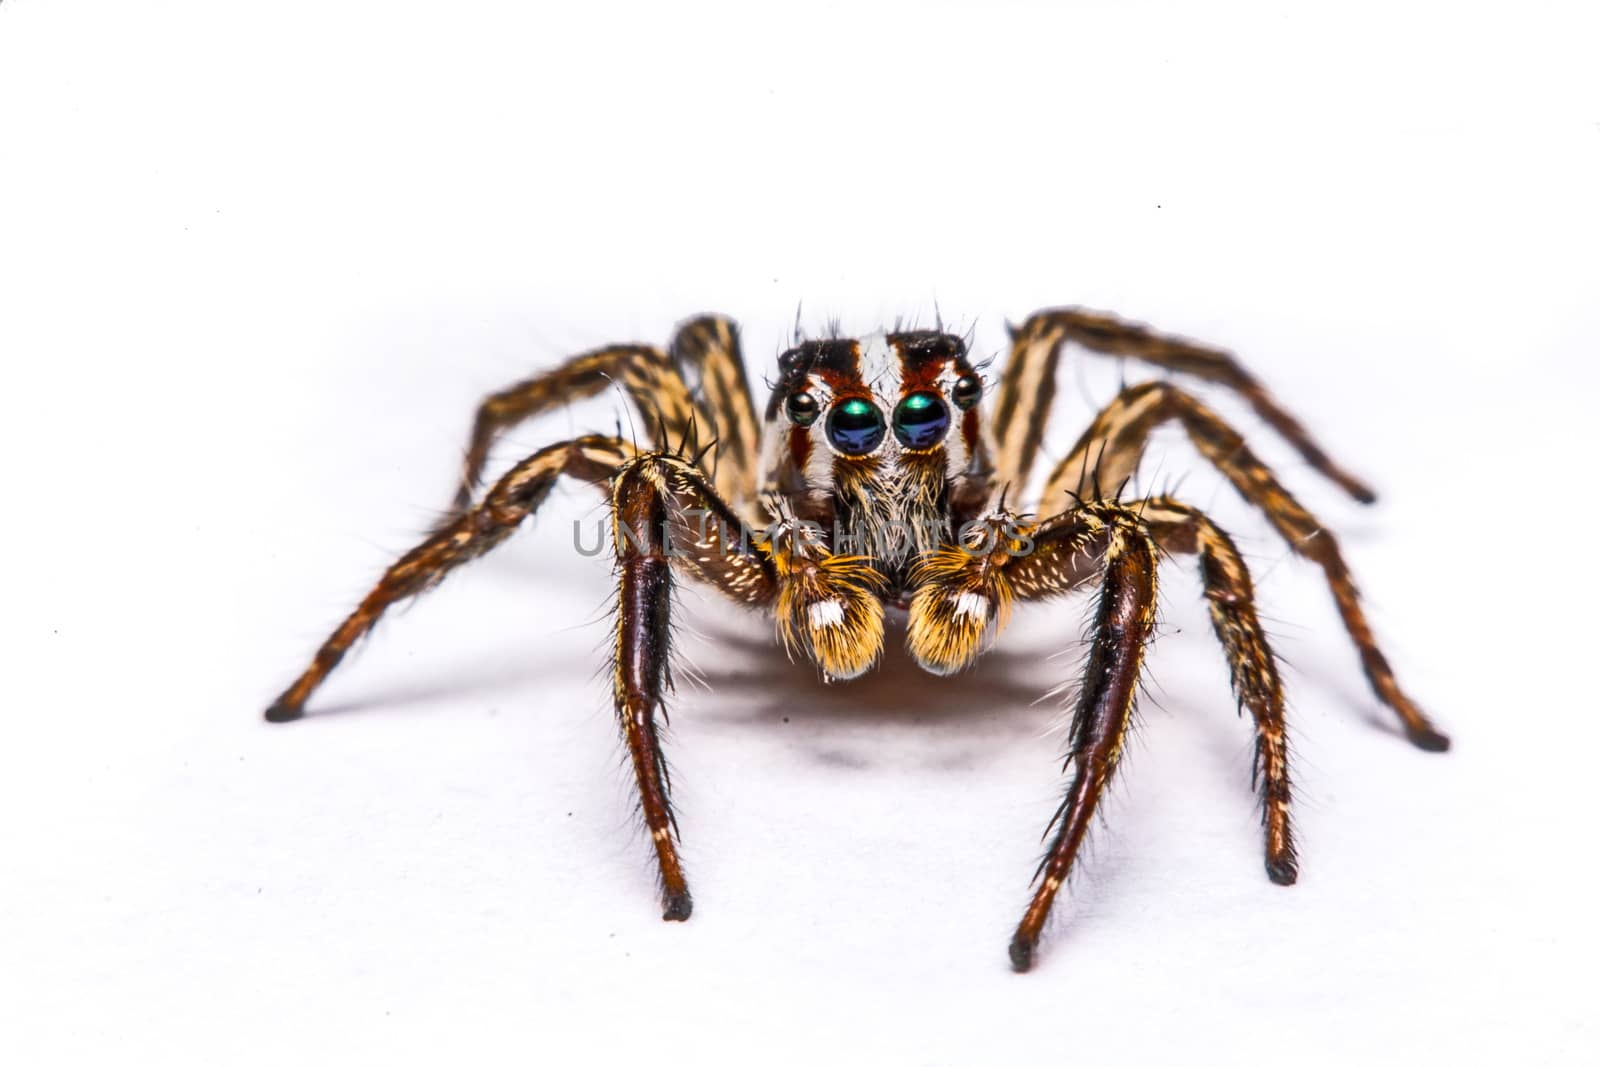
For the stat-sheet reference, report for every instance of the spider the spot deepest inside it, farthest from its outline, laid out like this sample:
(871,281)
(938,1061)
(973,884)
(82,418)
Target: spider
(878,481)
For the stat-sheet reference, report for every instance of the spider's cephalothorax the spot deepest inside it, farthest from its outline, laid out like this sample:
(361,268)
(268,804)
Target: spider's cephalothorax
(879,441)
(881,481)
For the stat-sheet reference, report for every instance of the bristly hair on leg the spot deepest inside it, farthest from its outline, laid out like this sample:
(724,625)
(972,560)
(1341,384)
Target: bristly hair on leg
(626,409)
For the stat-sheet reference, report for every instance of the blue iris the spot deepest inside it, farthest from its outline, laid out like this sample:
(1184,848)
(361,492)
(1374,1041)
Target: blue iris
(921,420)
(855,426)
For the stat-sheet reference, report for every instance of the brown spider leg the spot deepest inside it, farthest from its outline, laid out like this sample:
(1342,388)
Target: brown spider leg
(964,595)
(658,503)
(1253,668)
(640,674)
(707,354)
(1123,623)
(647,374)
(1109,452)
(1029,385)
(516,496)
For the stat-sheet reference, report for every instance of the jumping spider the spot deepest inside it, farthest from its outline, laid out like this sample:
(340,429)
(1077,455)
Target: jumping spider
(881,480)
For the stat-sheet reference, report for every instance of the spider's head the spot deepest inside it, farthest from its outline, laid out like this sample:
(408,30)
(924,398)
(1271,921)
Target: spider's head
(880,425)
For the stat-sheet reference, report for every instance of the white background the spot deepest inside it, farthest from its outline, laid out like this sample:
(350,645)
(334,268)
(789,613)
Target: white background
(257,262)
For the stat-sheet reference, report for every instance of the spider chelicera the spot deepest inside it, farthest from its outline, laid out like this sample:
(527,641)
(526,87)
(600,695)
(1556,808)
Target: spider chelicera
(877,483)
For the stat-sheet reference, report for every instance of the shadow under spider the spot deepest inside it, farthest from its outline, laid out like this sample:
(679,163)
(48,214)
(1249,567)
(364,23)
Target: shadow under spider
(506,673)
(749,680)
(765,687)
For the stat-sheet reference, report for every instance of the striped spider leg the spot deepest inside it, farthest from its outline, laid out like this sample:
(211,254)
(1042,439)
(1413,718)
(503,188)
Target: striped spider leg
(965,596)
(461,538)
(1108,453)
(696,389)
(664,513)
(1029,386)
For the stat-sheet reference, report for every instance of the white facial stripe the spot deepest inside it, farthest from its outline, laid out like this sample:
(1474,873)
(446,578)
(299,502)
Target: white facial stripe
(819,464)
(880,368)
(956,456)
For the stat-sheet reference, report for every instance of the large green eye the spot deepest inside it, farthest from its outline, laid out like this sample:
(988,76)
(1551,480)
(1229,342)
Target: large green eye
(802,408)
(855,426)
(967,392)
(921,419)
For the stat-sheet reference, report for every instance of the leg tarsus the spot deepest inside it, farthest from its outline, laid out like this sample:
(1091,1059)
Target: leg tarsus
(678,907)
(1428,738)
(283,711)
(1021,951)
(1283,870)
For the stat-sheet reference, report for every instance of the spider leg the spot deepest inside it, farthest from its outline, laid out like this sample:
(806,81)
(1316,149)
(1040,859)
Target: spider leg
(460,539)
(644,372)
(1029,385)
(1230,597)
(826,604)
(961,588)
(1109,453)
(1124,619)
(722,415)
(707,354)
(664,513)
(660,502)
(965,593)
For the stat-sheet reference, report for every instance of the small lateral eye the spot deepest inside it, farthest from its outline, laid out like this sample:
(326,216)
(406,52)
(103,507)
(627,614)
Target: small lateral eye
(968,391)
(802,408)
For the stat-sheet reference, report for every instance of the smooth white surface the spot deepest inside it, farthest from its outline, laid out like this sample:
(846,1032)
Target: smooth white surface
(257,262)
